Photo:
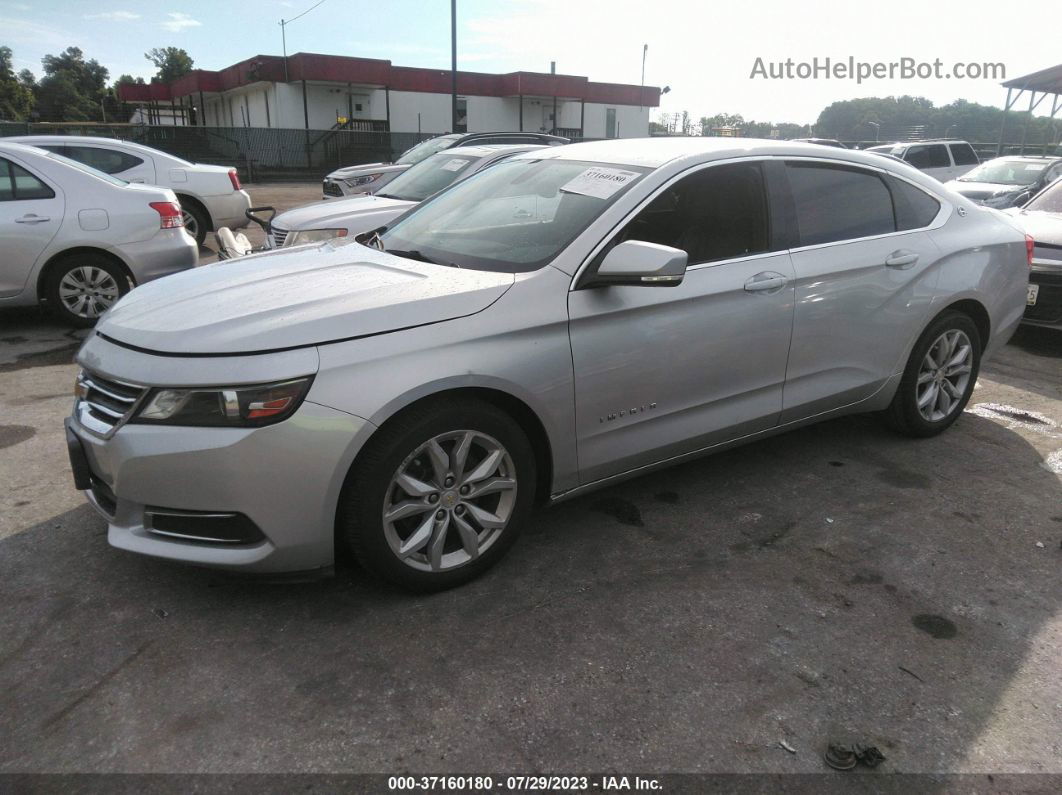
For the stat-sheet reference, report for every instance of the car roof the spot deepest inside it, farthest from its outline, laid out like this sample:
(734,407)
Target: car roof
(655,152)
(486,150)
(18,147)
(88,139)
(1028,158)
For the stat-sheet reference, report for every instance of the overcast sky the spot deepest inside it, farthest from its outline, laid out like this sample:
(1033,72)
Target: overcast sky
(704,51)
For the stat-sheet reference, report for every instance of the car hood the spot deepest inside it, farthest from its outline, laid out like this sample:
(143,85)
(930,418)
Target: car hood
(366,168)
(331,213)
(1042,226)
(295,298)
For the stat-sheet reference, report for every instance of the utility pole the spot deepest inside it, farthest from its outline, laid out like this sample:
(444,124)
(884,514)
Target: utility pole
(645,49)
(453,65)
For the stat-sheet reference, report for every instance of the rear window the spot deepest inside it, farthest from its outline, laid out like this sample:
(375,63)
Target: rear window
(839,203)
(88,169)
(933,156)
(17,184)
(915,208)
(963,155)
(109,161)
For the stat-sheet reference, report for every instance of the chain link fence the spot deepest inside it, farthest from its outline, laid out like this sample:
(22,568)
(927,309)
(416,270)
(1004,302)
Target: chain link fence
(260,154)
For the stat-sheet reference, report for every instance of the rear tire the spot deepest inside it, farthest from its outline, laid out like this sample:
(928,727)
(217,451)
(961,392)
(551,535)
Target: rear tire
(438,495)
(939,377)
(196,220)
(82,286)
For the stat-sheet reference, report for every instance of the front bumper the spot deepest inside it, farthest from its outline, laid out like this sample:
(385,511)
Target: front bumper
(229,209)
(1047,311)
(285,478)
(168,251)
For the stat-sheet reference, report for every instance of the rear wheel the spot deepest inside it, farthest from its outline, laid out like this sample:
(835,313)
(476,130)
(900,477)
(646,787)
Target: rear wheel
(82,287)
(196,222)
(939,377)
(439,495)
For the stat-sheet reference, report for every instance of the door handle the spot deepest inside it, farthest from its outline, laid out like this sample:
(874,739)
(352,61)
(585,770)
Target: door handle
(31,218)
(765,282)
(901,259)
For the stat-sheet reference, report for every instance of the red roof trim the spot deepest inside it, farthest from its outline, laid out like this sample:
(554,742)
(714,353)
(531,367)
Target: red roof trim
(376,72)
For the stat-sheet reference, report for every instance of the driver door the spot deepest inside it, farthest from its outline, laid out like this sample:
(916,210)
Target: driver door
(663,371)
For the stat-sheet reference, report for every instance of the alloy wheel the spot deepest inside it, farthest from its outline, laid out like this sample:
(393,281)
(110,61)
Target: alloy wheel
(191,225)
(449,500)
(88,291)
(944,375)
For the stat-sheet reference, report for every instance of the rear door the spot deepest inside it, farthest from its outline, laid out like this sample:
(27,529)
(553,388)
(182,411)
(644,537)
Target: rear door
(863,267)
(964,158)
(661,371)
(932,159)
(31,212)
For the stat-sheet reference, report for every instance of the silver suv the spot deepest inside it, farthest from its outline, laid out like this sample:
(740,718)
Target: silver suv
(556,323)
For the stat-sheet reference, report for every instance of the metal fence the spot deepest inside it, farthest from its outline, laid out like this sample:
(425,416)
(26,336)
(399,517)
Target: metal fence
(260,154)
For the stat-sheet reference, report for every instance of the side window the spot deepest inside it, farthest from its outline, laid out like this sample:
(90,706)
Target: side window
(918,156)
(963,155)
(938,156)
(20,185)
(838,203)
(109,161)
(718,213)
(914,207)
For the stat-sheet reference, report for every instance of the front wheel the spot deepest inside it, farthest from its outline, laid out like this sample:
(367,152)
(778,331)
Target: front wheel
(84,286)
(439,495)
(196,222)
(939,378)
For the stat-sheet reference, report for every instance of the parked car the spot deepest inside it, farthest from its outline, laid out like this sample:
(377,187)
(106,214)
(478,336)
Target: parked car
(353,215)
(1008,181)
(78,239)
(370,177)
(942,160)
(1041,217)
(508,342)
(211,196)
(822,142)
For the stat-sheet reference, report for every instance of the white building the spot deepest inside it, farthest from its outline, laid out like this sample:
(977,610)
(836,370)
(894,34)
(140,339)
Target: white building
(319,92)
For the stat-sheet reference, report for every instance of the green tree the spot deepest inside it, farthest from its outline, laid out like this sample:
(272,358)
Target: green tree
(171,62)
(129,79)
(16,98)
(72,88)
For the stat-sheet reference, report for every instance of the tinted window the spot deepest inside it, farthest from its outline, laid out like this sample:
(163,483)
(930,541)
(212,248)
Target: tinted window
(109,161)
(963,154)
(839,203)
(718,213)
(17,184)
(938,156)
(427,177)
(914,207)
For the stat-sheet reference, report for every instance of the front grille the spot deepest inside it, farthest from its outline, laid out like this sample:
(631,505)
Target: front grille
(103,403)
(278,236)
(332,188)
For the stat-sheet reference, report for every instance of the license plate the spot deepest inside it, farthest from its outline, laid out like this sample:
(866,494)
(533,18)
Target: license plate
(1034,290)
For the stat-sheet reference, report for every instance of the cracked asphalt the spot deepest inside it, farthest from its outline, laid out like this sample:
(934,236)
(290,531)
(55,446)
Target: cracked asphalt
(835,584)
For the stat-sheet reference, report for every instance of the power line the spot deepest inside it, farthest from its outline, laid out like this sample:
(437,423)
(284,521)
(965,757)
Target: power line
(304,13)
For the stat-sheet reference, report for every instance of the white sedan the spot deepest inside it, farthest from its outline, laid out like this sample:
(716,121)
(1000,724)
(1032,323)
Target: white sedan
(78,239)
(210,196)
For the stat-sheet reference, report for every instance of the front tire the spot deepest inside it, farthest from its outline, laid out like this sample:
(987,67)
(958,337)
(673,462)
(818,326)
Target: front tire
(82,287)
(438,495)
(939,378)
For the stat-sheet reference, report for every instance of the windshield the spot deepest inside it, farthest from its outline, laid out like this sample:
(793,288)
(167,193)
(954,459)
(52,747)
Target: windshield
(1048,200)
(426,149)
(87,169)
(1005,172)
(512,217)
(428,176)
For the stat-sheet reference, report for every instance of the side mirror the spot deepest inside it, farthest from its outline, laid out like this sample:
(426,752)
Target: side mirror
(641,263)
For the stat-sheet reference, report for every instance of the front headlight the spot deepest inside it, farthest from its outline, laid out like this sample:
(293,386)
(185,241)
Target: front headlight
(357,182)
(233,407)
(313,236)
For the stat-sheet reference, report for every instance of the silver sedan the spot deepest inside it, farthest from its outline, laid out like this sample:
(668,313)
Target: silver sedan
(559,322)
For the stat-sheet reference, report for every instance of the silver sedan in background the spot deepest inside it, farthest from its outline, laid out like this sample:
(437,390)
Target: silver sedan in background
(78,239)
(563,320)
(353,215)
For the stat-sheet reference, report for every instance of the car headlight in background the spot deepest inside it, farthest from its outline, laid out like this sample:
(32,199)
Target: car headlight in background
(313,236)
(357,182)
(235,407)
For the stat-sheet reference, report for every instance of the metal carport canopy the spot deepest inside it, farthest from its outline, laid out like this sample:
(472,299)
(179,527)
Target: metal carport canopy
(1046,82)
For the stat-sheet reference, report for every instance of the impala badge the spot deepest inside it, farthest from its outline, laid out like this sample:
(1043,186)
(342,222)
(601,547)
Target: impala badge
(627,412)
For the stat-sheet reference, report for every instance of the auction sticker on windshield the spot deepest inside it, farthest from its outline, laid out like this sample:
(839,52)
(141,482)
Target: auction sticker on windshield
(599,182)
(454,165)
